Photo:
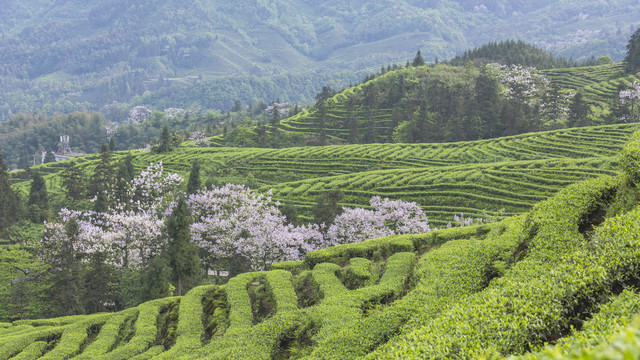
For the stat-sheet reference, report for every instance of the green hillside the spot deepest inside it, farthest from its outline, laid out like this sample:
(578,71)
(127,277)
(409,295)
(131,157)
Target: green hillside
(453,103)
(488,178)
(64,56)
(559,281)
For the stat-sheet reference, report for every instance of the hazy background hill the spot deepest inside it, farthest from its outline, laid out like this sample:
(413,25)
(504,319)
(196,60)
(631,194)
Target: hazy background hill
(70,55)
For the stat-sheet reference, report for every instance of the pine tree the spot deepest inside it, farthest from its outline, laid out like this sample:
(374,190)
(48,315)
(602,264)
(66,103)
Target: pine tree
(194,183)
(579,111)
(68,274)
(103,173)
(10,207)
(183,254)
(165,140)
(112,144)
(38,198)
(327,208)
(73,181)
(487,105)
(321,119)
(418,60)
(633,53)
(124,175)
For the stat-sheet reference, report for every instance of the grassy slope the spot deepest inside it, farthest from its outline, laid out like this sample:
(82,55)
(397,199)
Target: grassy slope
(564,273)
(489,178)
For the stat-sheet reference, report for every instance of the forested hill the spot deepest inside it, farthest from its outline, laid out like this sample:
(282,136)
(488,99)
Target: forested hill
(73,55)
(439,103)
(513,52)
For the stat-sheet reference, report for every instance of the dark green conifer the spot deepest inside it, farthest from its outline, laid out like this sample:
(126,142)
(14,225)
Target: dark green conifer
(183,254)
(10,207)
(194,183)
(633,53)
(38,198)
(418,60)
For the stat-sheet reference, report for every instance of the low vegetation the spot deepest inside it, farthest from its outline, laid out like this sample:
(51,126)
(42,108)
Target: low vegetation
(558,281)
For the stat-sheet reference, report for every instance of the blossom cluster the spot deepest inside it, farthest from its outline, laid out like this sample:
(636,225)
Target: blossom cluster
(173,113)
(233,220)
(386,218)
(199,138)
(276,110)
(522,83)
(631,95)
(130,232)
(227,221)
(462,221)
(139,114)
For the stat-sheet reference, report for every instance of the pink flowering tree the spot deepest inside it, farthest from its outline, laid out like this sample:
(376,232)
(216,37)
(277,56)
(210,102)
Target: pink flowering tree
(233,220)
(139,114)
(388,217)
(130,232)
(630,99)
(521,83)
(174,113)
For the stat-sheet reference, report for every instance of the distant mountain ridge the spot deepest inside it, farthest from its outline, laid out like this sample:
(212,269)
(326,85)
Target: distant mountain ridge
(71,55)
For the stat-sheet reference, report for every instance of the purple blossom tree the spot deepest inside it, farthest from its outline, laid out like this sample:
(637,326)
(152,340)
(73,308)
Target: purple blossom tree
(388,217)
(130,232)
(139,114)
(233,220)
(630,98)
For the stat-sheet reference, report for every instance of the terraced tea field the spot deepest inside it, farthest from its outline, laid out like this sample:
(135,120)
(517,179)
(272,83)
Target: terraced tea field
(499,289)
(489,178)
(599,84)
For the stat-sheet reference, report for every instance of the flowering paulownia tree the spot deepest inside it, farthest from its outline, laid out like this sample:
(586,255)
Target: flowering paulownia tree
(228,221)
(630,98)
(388,217)
(129,233)
(139,114)
(233,220)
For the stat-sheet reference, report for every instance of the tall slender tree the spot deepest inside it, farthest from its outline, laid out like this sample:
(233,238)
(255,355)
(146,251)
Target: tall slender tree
(194,183)
(73,181)
(38,198)
(633,53)
(183,254)
(10,207)
(418,60)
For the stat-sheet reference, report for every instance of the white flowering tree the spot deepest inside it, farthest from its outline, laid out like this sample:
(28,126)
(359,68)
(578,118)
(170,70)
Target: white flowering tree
(139,114)
(129,233)
(630,98)
(233,220)
(388,217)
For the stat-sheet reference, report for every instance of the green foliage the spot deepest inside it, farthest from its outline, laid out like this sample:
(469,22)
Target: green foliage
(512,52)
(630,158)
(194,183)
(418,60)
(183,254)
(632,60)
(38,201)
(10,204)
(327,208)
(23,284)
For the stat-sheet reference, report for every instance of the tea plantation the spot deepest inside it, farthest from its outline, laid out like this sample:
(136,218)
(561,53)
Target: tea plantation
(493,179)
(555,278)
(558,281)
